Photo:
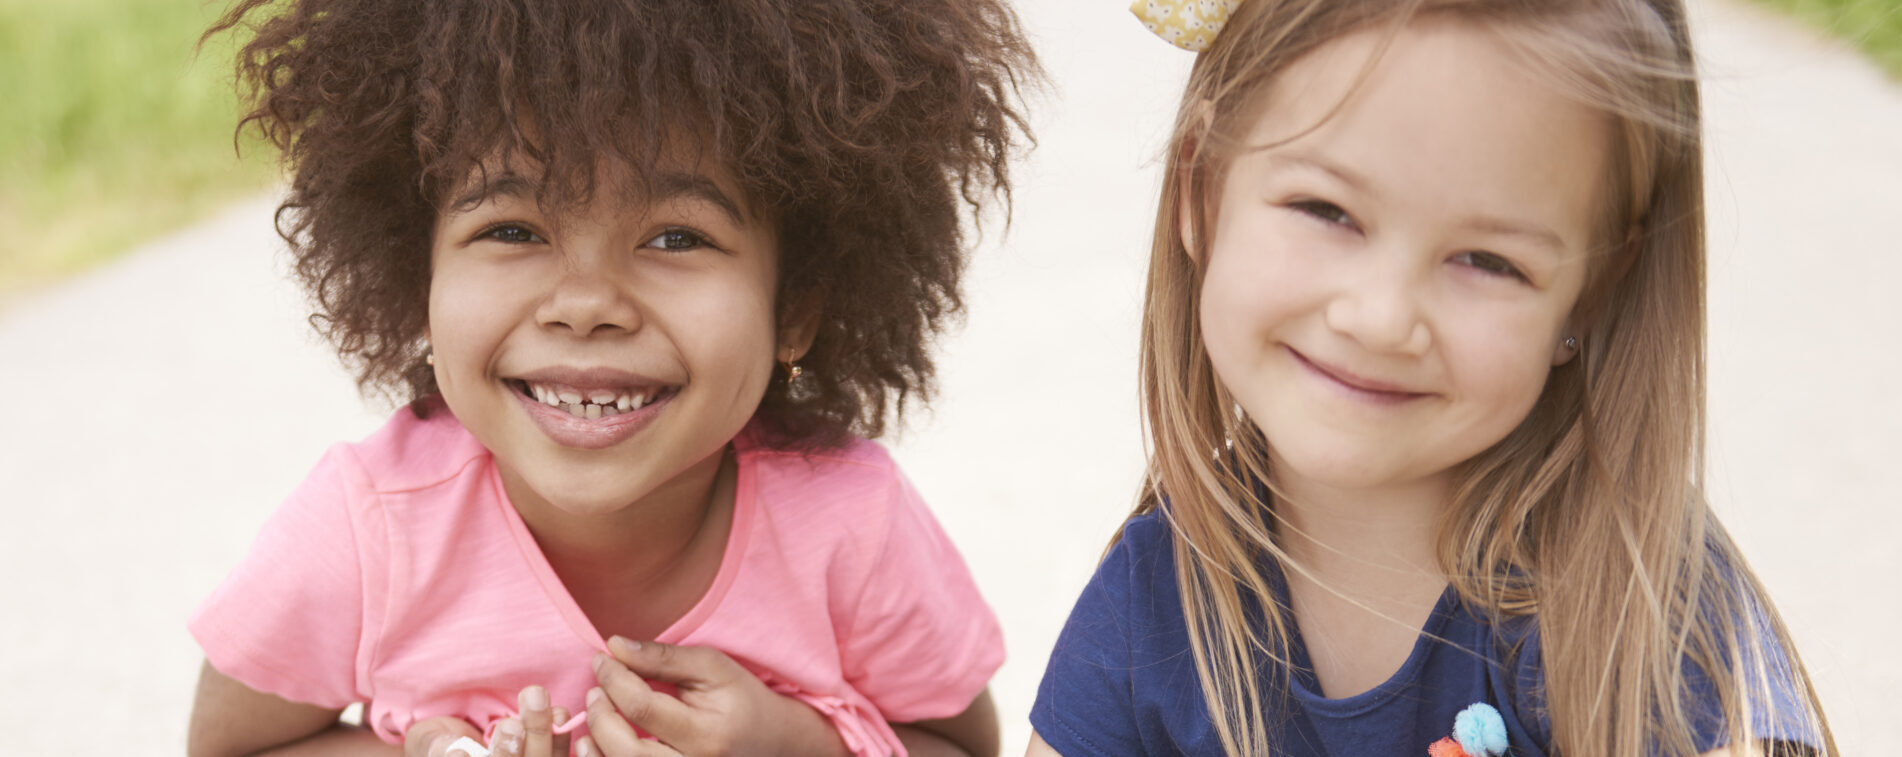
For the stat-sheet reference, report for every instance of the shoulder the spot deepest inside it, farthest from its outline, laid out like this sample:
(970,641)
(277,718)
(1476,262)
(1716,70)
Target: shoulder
(410,453)
(1146,536)
(1133,593)
(858,478)
(1142,563)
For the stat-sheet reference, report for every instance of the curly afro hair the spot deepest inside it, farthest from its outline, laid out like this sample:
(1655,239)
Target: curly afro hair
(868,128)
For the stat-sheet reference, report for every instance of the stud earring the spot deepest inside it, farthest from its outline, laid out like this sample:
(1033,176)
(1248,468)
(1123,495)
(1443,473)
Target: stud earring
(429,358)
(1571,343)
(792,367)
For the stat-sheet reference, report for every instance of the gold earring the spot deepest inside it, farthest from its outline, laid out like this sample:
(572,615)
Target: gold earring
(429,358)
(792,366)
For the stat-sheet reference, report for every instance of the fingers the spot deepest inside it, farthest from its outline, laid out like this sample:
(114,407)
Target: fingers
(432,737)
(696,667)
(538,722)
(508,738)
(612,736)
(587,748)
(561,739)
(669,719)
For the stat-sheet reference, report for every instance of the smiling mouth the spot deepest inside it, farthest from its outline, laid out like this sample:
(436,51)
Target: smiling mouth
(591,403)
(1365,387)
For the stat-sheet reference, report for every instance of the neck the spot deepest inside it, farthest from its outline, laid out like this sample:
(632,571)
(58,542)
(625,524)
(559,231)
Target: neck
(639,543)
(1363,540)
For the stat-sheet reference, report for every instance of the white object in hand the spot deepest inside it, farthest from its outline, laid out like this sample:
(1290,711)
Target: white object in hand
(470,747)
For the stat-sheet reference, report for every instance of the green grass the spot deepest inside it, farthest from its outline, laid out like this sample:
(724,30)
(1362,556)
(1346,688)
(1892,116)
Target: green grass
(1873,25)
(113,130)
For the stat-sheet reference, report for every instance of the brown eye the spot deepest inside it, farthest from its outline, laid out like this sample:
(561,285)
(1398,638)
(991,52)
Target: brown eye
(511,234)
(677,240)
(1489,263)
(1324,211)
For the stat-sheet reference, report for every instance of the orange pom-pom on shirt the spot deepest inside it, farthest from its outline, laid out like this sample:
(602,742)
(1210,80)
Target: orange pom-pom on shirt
(1446,747)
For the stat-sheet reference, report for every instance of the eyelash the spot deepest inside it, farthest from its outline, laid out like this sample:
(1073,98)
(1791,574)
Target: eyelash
(507,233)
(696,240)
(1491,264)
(495,232)
(1325,212)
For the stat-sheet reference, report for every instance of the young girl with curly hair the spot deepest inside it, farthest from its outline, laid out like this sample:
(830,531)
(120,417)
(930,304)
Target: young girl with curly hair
(648,274)
(1423,371)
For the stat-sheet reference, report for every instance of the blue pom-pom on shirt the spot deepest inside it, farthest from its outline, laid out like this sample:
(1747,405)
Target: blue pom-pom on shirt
(1480,730)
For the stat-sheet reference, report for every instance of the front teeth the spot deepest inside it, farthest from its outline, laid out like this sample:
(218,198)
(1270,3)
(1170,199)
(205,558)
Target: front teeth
(596,405)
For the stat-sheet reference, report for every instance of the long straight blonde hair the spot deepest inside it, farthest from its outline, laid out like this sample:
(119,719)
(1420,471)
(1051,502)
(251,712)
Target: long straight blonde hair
(1590,514)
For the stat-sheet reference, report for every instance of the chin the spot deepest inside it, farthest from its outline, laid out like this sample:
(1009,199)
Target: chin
(1339,469)
(582,496)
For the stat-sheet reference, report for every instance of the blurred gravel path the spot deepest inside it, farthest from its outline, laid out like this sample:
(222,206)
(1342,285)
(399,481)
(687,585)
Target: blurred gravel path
(158,409)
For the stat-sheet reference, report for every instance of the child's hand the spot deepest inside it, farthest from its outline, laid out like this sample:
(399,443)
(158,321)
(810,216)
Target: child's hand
(722,709)
(531,735)
(432,737)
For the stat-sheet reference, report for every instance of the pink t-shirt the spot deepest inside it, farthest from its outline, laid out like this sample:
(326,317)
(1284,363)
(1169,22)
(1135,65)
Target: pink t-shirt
(398,574)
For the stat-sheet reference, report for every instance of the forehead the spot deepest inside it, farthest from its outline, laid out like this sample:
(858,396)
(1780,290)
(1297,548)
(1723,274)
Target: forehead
(570,186)
(1445,114)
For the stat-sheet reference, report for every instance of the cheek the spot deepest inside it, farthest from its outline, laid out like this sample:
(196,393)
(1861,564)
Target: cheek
(1255,285)
(1503,360)
(472,306)
(726,325)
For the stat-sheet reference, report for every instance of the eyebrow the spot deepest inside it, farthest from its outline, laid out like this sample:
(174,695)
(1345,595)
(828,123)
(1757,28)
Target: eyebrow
(673,185)
(1530,232)
(1483,224)
(1315,163)
(665,186)
(506,184)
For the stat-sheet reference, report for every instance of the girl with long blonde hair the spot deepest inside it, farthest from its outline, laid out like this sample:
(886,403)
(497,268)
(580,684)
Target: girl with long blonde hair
(1423,376)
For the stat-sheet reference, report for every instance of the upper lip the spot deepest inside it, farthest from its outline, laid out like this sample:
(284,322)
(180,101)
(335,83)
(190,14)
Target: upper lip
(599,377)
(1352,379)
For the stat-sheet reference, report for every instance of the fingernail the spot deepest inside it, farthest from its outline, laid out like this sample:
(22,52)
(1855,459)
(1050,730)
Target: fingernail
(599,660)
(594,695)
(533,699)
(627,645)
(508,735)
(585,746)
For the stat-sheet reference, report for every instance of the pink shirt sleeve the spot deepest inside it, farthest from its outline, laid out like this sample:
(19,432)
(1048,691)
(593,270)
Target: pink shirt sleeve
(921,643)
(288,619)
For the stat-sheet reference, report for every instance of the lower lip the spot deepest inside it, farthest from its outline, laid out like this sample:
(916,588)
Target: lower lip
(585,433)
(1355,392)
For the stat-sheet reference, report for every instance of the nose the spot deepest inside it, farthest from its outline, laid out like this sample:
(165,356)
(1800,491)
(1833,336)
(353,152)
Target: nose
(587,300)
(1380,309)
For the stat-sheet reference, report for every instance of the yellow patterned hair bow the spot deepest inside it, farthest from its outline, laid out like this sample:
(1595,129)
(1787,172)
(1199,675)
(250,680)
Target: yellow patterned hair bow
(1188,24)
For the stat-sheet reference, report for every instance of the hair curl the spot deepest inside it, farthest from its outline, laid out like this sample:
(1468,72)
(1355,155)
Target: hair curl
(865,127)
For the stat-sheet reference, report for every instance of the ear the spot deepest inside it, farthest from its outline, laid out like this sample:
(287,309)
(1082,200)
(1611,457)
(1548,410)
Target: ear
(1185,198)
(1585,318)
(799,325)
(1187,207)
(1567,348)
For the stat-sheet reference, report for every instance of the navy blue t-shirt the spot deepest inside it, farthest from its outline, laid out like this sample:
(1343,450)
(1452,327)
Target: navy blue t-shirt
(1121,680)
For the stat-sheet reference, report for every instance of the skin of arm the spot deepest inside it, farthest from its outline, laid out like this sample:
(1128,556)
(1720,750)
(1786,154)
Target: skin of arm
(231,719)
(1038,748)
(972,732)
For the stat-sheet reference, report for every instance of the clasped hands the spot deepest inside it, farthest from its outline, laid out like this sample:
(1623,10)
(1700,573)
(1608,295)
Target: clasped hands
(720,709)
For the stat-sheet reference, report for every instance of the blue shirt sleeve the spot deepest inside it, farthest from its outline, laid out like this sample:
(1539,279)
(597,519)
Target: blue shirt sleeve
(1085,705)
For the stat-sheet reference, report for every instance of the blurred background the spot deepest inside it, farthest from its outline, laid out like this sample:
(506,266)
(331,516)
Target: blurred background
(164,392)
